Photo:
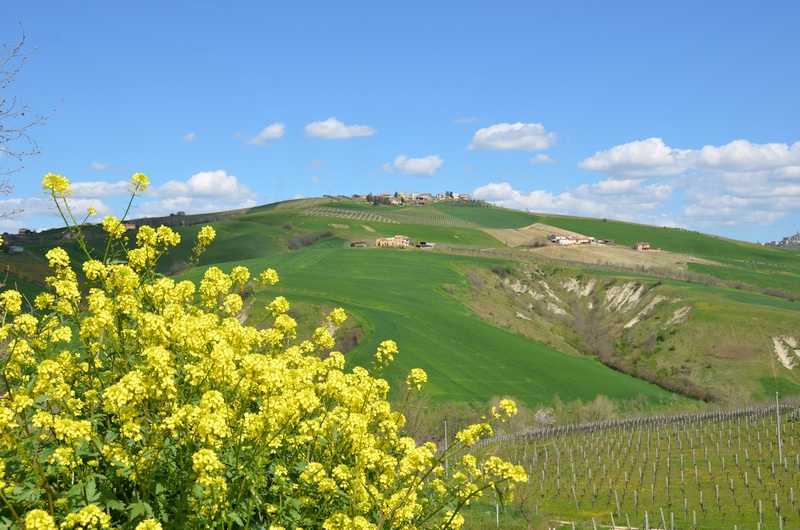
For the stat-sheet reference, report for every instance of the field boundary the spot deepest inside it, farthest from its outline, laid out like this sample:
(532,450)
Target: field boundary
(650,421)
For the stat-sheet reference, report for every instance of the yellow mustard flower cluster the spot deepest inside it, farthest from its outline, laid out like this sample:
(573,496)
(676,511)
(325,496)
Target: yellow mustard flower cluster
(140,402)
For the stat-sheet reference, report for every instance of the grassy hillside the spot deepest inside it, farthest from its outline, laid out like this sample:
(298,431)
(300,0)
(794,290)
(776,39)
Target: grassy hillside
(400,295)
(458,316)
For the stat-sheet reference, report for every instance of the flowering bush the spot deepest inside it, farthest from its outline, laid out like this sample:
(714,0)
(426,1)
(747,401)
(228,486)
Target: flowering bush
(137,401)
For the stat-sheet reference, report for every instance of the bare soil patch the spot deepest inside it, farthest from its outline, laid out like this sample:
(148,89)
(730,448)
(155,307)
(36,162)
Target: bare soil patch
(514,237)
(368,228)
(613,255)
(734,352)
(341,227)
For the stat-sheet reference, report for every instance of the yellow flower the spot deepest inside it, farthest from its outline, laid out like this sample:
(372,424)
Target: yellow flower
(269,277)
(416,378)
(386,351)
(240,275)
(39,520)
(113,227)
(57,258)
(508,407)
(93,269)
(206,235)
(139,182)
(278,306)
(11,301)
(146,235)
(90,516)
(145,370)
(149,524)
(337,316)
(167,236)
(91,211)
(56,185)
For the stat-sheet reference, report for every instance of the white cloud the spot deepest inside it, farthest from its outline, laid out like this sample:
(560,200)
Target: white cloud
(741,155)
(615,199)
(98,166)
(653,158)
(204,192)
(734,189)
(270,132)
(542,158)
(98,189)
(313,180)
(502,194)
(518,136)
(418,167)
(334,129)
(736,185)
(204,184)
(190,137)
(641,159)
(39,212)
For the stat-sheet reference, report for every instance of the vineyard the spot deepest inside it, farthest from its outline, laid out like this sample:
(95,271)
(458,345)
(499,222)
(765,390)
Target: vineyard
(711,471)
(422,216)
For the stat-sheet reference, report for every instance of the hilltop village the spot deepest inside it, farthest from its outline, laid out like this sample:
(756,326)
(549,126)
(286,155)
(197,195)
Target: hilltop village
(788,241)
(404,199)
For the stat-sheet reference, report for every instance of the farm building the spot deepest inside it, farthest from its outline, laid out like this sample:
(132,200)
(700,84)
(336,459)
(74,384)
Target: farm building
(573,239)
(643,246)
(398,241)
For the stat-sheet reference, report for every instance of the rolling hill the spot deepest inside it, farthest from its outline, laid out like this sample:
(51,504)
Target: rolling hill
(496,310)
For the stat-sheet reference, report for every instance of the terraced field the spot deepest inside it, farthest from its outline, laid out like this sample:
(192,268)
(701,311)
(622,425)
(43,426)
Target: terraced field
(341,213)
(423,216)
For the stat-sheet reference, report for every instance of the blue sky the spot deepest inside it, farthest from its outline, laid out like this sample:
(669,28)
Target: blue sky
(680,113)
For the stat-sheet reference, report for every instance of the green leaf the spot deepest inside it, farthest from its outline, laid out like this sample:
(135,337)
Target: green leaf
(114,504)
(139,509)
(92,495)
(233,516)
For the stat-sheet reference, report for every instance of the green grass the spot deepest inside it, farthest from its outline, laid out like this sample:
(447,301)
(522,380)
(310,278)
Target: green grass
(399,295)
(492,217)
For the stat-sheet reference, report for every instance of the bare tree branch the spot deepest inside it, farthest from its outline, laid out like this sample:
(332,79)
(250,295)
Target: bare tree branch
(16,117)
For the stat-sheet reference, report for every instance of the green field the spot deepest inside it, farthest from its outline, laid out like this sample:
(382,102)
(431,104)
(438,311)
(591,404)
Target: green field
(399,295)
(471,338)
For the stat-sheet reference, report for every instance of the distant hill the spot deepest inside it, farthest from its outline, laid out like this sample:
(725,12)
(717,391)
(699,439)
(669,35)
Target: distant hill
(494,308)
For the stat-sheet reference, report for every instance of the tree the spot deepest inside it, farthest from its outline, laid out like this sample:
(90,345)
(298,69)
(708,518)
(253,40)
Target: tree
(16,118)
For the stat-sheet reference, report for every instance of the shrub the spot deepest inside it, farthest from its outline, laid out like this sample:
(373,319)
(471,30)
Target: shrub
(136,401)
(299,241)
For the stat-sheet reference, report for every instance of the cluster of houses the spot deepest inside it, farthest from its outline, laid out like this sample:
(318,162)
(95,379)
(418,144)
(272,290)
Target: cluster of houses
(786,241)
(574,239)
(400,198)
